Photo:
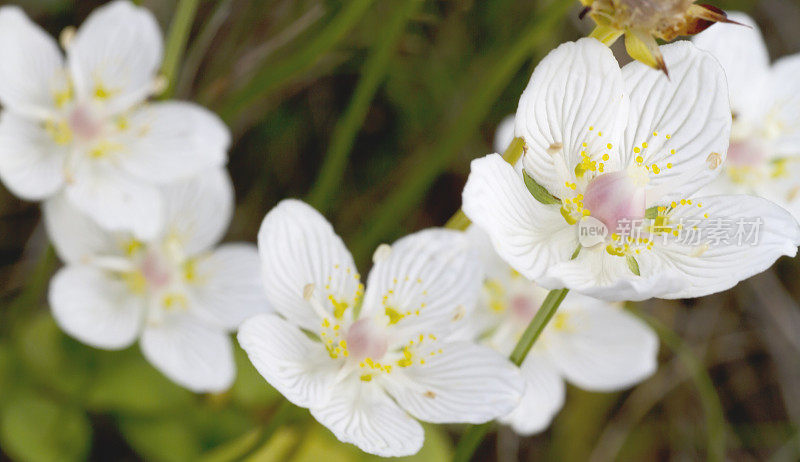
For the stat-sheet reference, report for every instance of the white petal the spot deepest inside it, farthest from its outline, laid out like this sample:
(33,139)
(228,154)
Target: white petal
(543,397)
(691,108)
(226,285)
(75,236)
(528,235)
(173,140)
(288,359)
(574,95)
(95,307)
(190,353)
(119,49)
(198,210)
(115,201)
(781,107)
(504,134)
(432,274)
(597,273)
(600,347)
(31,164)
(464,383)
(743,54)
(719,261)
(298,247)
(31,65)
(363,415)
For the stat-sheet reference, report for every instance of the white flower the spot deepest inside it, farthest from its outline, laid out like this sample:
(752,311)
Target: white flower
(363,361)
(175,292)
(609,147)
(765,101)
(79,125)
(592,344)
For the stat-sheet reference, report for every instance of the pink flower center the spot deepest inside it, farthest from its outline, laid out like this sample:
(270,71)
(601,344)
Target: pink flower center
(746,153)
(155,271)
(85,125)
(364,340)
(615,197)
(523,308)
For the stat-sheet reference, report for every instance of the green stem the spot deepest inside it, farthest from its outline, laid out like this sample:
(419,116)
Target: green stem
(34,288)
(712,408)
(176,42)
(430,163)
(278,418)
(460,221)
(344,134)
(273,76)
(470,441)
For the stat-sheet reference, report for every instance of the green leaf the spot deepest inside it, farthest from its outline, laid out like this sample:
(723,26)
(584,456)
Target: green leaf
(170,439)
(538,191)
(576,252)
(34,428)
(633,265)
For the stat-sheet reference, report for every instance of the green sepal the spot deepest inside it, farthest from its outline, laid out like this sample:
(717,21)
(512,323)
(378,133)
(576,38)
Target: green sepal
(538,191)
(633,265)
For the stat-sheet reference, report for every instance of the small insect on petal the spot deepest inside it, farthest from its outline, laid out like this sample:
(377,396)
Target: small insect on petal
(713,160)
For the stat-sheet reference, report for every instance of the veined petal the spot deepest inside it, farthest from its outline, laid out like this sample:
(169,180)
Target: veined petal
(430,278)
(780,112)
(364,416)
(528,235)
(226,284)
(115,201)
(298,247)
(543,397)
(600,347)
(173,140)
(31,164)
(75,236)
(463,383)
(743,54)
(679,123)
(288,359)
(95,307)
(190,353)
(198,210)
(726,252)
(31,66)
(115,55)
(596,273)
(575,96)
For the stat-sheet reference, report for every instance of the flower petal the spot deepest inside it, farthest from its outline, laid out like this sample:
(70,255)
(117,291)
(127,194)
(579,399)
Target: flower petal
(289,360)
(528,235)
(95,308)
(298,247)
(430,278)
(198,210)
(190,353)
(719,261)
(31,164)
(31,66)
(226,285)
(543,397)
(743,55)
(504,134)
(681,123)
(464,383)
(574,95)
(781,105)
(600,347)
(115,55)
(115,201)
(75,236)
(173,140)
(596,273)
(364,416)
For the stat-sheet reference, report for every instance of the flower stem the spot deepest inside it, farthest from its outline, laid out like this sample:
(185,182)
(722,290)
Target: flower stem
(472,438)
(514,151)
(278,418)
(176,42)
(712,408)
(374,72)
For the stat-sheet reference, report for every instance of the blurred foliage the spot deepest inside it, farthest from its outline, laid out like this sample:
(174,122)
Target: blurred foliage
(404,93)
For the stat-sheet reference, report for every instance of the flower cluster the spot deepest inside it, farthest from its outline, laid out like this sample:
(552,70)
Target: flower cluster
(611,186)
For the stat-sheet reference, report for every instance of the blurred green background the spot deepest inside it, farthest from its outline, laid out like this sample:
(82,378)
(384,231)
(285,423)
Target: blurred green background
(372,110)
